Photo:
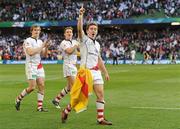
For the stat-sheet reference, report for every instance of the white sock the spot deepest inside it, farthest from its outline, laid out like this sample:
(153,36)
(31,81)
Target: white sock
(40,98)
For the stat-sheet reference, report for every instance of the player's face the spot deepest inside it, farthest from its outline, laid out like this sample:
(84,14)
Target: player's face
(92,31)
(36,32)
(68,34)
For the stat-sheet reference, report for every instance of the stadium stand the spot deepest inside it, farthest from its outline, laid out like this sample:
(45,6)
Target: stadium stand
(163,42)
(18,10)
(160,42)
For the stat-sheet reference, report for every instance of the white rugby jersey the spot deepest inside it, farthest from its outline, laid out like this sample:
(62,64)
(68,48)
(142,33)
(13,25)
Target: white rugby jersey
(32,43)
(90,51)
(68,58)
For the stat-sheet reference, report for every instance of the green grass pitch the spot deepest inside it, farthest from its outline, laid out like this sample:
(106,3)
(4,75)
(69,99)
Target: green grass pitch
(137,97)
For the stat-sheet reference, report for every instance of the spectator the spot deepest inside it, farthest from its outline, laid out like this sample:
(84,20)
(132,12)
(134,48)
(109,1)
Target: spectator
(96,10)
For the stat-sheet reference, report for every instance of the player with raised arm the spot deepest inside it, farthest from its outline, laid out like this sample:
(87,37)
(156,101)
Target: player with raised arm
(91,59)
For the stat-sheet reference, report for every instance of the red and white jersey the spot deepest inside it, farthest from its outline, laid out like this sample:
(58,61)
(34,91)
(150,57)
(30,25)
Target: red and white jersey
(32,43)
(68,58)
(90,51)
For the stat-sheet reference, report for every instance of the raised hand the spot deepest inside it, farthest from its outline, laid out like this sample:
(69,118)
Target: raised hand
(81,10)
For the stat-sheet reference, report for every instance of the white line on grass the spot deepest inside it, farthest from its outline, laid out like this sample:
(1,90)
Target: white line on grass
(156,108)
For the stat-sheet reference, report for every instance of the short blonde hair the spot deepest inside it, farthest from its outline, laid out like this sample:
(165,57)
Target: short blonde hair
(67,28)
(34,26)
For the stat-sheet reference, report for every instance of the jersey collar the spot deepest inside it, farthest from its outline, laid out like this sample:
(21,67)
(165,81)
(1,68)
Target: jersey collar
(94,40)
(68,40)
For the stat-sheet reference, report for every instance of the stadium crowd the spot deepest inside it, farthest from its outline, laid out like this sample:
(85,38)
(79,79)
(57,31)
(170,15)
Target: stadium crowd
(40,10)
(11,46)
(159,44)
(114,43)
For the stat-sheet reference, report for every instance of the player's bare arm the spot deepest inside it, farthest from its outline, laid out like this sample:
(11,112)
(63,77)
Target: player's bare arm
(32,51)
(80,23)
(71,49)
(103,68)
(45,49)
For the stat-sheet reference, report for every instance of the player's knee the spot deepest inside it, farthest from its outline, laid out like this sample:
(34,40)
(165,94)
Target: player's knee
(41,84)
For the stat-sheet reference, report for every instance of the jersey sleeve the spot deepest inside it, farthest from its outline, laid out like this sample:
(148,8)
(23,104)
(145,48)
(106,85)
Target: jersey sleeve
(84,38)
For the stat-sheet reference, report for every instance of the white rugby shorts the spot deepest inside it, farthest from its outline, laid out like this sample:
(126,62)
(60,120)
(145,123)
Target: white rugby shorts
(97,77)
(34,72)
(69,70)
